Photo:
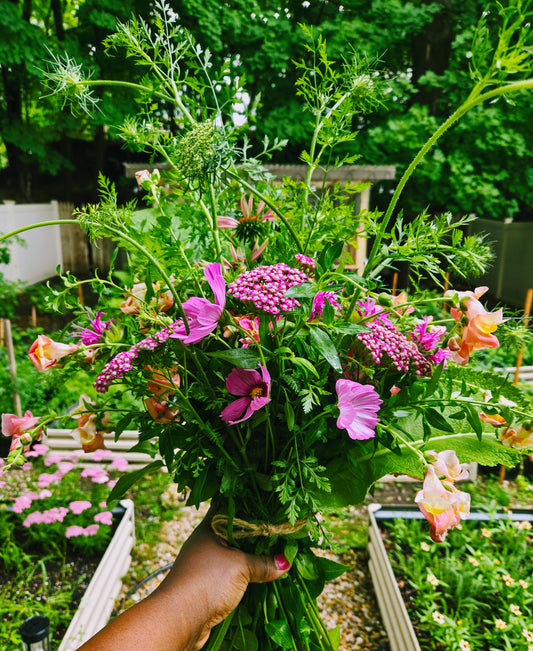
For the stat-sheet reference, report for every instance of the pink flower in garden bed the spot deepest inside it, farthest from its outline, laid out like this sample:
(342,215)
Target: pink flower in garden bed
(75,530)
(104,517)
(79,506)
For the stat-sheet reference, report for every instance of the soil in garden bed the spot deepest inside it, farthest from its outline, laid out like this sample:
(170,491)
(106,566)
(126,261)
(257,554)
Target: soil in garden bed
(45,584)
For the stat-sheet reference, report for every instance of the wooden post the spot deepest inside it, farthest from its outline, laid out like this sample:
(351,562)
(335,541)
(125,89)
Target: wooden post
(12,366)
(360,239)
(2,335)
(520,356)
(33,316)
(394,283)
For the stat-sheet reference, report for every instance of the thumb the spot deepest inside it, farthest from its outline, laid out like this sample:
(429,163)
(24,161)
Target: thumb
(267,568)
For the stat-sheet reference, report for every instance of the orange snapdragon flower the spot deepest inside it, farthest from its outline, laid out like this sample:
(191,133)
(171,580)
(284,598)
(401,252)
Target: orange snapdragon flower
(480,325)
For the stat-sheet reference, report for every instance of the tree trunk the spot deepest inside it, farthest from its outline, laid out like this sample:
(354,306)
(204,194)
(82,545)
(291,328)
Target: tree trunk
(431,51)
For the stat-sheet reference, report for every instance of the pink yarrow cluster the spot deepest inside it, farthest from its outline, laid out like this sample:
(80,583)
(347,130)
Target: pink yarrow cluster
(384,342)
(264,287)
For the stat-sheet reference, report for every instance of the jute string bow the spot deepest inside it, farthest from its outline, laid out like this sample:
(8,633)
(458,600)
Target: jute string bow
(243,529)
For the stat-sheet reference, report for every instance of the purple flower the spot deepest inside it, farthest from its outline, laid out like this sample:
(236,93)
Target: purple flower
(254,387)
(358,405)
(369,308)
(320,300)
(202,315)
(94,334)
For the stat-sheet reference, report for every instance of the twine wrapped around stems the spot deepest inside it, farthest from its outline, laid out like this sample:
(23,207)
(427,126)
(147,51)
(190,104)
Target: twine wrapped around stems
(243,529)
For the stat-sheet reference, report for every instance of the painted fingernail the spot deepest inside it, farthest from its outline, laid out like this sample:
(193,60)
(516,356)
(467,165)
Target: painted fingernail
(282,562)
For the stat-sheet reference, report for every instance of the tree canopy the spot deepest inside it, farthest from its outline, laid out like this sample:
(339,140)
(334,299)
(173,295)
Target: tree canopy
(420,52)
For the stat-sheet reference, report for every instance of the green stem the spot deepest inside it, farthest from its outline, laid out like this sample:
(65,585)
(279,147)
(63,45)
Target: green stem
(158,266)
(52,222)
(282,608)
(269,203)
(127,84)
(474,99)
(315,616)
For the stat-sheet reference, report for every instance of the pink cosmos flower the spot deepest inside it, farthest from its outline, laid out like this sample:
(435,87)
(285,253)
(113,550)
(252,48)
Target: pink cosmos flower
(254,387)
(45,353)
(320,300)
(104,517)
(358,405)
(447,465)
(202,315)
(17,426)
(442,505)
(79,506)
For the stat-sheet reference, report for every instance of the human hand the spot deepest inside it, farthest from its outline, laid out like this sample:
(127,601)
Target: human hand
(205,584)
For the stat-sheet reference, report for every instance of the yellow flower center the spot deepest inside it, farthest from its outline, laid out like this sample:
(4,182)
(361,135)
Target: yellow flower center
(256,392)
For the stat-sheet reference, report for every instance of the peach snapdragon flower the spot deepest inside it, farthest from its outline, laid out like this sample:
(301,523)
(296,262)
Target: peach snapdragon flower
(45,352)
(480,325)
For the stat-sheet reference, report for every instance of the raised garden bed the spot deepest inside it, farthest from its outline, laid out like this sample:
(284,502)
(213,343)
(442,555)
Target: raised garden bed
(99,598)
(393,589)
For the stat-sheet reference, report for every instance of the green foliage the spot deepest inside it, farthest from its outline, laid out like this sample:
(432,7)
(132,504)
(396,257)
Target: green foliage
(446,580)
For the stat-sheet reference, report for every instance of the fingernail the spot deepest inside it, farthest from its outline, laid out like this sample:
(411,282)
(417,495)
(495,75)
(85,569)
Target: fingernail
(282,562)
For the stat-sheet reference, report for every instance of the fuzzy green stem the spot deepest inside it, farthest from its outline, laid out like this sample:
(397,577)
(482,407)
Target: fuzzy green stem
(474,99)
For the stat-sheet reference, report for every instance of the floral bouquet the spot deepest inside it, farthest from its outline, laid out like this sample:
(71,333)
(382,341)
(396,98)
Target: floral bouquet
(258,366)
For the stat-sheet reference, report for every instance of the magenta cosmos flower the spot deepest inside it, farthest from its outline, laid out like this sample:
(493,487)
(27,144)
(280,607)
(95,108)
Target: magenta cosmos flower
(202,315)
(254,389)
(358,405)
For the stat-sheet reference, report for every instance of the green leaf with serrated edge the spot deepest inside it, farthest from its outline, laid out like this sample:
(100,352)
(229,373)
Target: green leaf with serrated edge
(243,357)
(280,633)
(126,481)
(323,344)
